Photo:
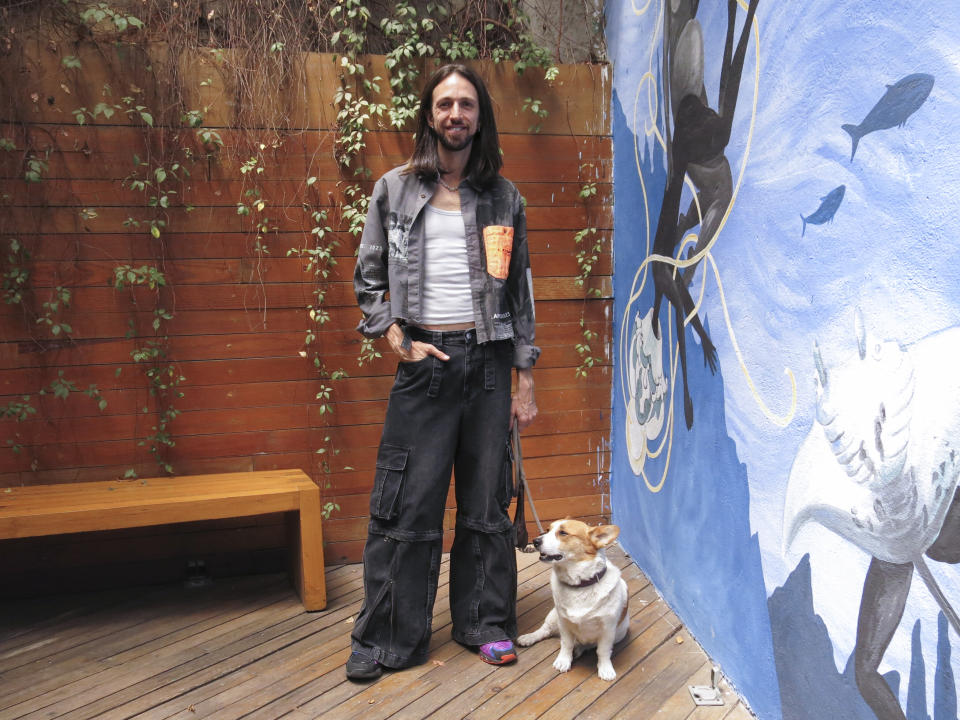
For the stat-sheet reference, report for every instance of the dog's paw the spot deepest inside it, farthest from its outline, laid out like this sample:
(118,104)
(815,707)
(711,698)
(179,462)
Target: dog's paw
(562,663)
(606,672)
(527,640)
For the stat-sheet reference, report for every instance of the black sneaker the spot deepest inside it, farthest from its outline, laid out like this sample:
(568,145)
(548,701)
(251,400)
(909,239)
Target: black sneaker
(361,666)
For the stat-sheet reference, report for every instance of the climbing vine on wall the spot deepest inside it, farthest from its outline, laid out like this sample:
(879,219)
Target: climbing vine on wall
(589,244)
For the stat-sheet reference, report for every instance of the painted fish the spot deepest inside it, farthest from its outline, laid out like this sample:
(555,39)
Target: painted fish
(901,100)
(828,208)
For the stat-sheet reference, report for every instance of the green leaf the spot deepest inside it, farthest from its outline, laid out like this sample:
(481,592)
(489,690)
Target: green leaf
(70,61)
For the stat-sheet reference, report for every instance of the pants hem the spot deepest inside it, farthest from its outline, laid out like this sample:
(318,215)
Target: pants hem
(481,638)
(389,659)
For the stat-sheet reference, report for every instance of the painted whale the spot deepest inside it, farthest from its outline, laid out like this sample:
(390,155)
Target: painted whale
(901,100)
(828,208)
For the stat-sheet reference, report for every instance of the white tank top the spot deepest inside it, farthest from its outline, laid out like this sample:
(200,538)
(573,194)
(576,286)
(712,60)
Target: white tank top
(446,296)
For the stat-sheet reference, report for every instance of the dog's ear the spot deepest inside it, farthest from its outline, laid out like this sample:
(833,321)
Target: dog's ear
(603,535)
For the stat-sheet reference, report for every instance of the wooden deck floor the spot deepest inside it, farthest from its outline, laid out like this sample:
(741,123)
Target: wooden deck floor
(244,648)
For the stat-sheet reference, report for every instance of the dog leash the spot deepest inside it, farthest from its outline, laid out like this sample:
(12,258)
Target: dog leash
(520,488)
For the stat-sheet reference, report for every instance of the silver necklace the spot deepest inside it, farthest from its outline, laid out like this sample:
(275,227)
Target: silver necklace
(451,189)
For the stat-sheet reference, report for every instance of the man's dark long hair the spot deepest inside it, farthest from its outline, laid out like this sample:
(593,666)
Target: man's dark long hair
(485,162)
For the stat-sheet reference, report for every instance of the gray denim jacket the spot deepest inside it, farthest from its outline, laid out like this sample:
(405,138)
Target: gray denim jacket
(388,279)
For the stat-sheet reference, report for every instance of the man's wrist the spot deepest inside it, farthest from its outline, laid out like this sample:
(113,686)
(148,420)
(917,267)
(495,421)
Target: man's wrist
(398,338)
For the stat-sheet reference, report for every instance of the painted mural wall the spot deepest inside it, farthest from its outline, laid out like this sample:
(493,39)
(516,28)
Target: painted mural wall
(787,398)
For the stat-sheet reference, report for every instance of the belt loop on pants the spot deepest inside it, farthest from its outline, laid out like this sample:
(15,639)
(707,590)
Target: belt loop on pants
(437,371)
(489,367)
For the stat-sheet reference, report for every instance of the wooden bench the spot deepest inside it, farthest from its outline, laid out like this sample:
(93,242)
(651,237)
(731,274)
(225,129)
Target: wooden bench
(83,507)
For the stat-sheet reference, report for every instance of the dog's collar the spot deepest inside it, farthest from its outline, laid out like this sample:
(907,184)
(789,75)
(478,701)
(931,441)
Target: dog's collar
(590,580)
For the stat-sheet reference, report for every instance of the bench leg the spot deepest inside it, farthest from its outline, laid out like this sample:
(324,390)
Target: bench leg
(307,548)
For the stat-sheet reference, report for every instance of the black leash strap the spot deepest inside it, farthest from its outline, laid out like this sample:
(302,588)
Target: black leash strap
(520,489)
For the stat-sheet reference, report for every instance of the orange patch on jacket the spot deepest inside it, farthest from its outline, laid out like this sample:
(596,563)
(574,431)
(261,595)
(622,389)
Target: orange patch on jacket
(498,243)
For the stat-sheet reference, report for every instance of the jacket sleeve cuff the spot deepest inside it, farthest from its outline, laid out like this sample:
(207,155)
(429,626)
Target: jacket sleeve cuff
(524,356)
(375,324)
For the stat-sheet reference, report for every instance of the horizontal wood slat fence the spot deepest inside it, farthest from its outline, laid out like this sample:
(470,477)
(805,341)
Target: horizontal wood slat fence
(239,316)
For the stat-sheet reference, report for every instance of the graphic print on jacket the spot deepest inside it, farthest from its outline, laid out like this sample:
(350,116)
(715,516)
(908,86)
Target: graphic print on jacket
(398,232)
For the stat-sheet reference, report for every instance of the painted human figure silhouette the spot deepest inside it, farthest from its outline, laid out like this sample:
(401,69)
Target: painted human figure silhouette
(884,599)
(700,137)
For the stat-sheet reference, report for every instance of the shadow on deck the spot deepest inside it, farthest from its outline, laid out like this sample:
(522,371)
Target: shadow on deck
(245,648)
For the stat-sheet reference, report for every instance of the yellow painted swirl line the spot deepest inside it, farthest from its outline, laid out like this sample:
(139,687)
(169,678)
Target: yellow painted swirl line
(779,420)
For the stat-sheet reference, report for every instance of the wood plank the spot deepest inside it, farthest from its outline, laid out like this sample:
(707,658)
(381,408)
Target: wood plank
(290,218)
(105,153)
(49,274)
(267,297)
(340,348)
(350,394)
(353,454)
(294,442)
(98,192)
(212,244)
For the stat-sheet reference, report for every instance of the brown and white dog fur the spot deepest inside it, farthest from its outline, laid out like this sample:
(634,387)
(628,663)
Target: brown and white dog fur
(589,596)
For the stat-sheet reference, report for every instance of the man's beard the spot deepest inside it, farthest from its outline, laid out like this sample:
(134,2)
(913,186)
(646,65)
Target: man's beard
(454,146)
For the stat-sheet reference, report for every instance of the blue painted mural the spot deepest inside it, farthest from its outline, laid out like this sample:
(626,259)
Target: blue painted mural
(787,406)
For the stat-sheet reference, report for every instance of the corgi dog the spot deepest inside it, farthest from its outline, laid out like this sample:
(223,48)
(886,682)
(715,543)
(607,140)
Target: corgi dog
(589,596)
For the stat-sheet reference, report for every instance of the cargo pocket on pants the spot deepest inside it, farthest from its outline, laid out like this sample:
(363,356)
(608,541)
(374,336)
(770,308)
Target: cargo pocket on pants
(388,484)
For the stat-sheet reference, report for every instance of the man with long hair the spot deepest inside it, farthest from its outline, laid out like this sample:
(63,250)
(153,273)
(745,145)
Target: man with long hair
(443,273)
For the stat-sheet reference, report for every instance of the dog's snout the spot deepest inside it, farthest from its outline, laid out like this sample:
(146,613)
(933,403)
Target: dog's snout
(537,542)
